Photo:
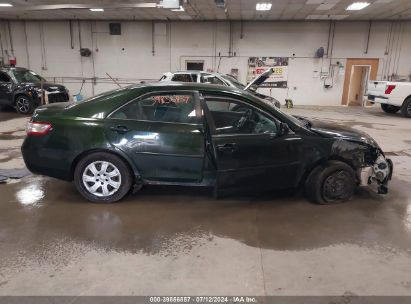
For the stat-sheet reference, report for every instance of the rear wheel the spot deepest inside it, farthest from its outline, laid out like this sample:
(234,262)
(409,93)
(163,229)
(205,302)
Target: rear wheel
(24,105)
(102,178)
(406,108)
(331,183)
(389,108)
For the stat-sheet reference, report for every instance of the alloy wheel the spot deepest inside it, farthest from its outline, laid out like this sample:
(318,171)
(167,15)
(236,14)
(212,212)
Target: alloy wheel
(101,178)
(23,105)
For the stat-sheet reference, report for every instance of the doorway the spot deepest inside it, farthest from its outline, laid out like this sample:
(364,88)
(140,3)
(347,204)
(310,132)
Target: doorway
(358,84)
(357,74)
(197,65)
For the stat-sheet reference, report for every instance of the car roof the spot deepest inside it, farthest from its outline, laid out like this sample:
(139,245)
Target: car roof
(175,85)
(8,68)
(192,72)
(186,71)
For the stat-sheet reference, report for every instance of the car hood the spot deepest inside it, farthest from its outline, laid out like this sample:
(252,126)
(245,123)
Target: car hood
(338,131)
(259,80)
(48,86)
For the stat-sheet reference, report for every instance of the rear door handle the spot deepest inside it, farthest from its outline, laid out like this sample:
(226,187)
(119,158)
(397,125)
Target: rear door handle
(120,129)
(227,148)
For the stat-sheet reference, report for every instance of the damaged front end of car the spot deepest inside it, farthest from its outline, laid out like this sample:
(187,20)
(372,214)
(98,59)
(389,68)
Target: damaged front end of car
(377,169)
(366,156)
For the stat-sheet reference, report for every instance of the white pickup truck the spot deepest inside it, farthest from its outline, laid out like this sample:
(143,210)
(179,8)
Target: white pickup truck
(393,96)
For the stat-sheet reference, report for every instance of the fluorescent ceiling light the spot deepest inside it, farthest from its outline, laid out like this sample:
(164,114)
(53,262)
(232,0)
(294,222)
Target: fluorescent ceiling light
(97,9)
(181,9)
(325,6)
(5,4)
(184,17)
(263,6)
(356,6)
(326,17)
(171,4)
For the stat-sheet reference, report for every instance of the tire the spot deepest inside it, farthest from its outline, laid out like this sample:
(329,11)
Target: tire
(389,108)
(331,183)
(406,108)
(24,105)
(115,181)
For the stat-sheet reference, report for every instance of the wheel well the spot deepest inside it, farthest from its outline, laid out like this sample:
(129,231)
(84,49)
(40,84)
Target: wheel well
(323,161)
(88,152)
(406,98)
(309,170)
(343,160)
(19,94)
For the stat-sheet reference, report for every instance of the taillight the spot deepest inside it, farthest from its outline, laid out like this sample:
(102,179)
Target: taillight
(389,89)
(38,128)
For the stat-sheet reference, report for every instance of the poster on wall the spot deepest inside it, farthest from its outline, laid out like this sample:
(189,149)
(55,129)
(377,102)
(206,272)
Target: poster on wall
(257,65)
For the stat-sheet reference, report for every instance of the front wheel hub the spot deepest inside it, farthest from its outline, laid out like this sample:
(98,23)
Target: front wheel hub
(336,186)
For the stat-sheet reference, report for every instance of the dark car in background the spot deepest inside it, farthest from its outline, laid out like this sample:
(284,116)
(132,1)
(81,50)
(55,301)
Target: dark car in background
(23,89)
(197,135)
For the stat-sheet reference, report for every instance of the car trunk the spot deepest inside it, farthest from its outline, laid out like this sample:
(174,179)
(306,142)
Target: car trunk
(376,88)
(50,110)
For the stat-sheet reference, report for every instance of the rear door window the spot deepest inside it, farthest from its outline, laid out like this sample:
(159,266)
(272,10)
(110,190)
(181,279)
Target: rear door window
(162,107)
(182,78)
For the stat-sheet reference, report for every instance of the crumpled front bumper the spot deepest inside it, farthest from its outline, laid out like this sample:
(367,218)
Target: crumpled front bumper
(379,173)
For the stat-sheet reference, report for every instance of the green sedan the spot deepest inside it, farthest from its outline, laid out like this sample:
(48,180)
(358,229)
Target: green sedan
(197,135)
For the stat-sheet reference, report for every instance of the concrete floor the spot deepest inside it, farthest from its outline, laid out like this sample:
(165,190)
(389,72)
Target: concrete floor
(178,241)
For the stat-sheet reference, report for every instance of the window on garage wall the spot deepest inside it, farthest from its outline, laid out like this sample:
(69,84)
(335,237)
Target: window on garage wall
(195,65)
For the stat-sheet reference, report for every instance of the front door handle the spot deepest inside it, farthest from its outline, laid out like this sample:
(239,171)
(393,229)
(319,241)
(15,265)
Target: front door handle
(120,129)
(227,148)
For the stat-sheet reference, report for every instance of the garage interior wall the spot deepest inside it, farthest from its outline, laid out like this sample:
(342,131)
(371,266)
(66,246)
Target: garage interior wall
(145,50)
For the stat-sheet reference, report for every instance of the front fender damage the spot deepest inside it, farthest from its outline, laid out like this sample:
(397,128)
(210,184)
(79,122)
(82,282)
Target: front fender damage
(369,162)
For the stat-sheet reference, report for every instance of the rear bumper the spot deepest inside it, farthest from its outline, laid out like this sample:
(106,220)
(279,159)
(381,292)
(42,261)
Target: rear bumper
(44,161)
(378,99)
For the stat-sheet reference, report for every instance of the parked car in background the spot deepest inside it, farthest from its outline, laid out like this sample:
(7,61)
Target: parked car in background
(197,135)
(222,79)
(393,96)
(22,88)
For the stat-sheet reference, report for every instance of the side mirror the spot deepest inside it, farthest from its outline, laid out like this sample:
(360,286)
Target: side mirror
(284,129)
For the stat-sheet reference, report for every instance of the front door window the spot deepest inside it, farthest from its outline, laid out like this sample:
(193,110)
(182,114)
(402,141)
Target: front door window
(212,79)
(233,117)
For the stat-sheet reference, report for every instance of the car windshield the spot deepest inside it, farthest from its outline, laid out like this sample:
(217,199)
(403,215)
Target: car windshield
(294,119)
(234,81)
(26,76)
